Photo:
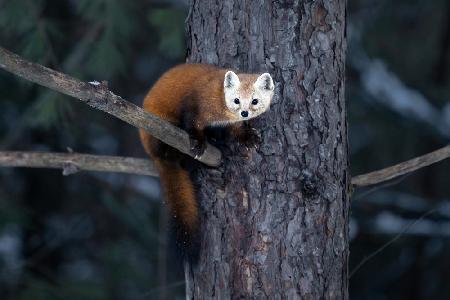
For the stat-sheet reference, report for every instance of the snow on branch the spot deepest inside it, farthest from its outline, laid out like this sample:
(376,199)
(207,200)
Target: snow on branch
(99,97)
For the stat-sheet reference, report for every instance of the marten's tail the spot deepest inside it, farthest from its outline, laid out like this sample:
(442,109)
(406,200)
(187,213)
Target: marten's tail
(181,200)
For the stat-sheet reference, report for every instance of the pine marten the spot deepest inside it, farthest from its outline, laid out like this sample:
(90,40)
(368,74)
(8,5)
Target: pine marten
(194,97)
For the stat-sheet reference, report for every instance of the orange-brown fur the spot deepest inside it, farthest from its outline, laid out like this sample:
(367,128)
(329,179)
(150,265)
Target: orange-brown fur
(189,96)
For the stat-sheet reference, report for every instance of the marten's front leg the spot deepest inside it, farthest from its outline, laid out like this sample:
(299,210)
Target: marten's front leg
(197,141)
(245,134)
(192,123)
(197,138)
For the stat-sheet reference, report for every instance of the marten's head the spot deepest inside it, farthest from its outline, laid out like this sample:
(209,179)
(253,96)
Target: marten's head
(248,95)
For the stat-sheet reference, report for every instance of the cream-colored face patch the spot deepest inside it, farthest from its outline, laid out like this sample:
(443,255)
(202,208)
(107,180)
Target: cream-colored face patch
(248,95)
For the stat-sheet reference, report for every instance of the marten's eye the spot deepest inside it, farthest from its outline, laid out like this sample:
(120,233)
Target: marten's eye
(255,101)
(236,101)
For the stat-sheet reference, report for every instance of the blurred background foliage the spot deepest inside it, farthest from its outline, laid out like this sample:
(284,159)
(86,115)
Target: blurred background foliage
(104,236)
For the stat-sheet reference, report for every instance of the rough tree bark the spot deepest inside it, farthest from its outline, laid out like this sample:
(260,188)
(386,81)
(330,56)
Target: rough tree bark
(275,218)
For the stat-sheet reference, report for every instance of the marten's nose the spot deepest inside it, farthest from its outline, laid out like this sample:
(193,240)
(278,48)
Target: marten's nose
(244,113)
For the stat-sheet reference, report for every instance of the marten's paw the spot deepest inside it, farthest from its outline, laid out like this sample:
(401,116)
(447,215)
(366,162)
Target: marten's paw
(197,147)
(250,138)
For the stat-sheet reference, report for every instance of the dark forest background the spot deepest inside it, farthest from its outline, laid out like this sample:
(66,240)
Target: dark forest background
(105,236)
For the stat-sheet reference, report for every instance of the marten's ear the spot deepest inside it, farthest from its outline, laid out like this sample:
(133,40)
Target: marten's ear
(231,80)
(265,82)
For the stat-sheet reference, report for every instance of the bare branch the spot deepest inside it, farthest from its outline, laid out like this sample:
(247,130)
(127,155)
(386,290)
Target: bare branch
(71,163)
(401,168)
(99,97)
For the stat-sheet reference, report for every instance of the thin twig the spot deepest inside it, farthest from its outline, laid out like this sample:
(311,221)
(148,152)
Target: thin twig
(381,186)
(99,97)
(401,168)
(390,242)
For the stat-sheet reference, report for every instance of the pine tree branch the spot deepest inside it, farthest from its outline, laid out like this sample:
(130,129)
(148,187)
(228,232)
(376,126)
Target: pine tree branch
(401,168)
(99,97)
(72,163)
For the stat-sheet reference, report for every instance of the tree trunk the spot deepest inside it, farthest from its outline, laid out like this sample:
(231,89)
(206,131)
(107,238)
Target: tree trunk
(275,218)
